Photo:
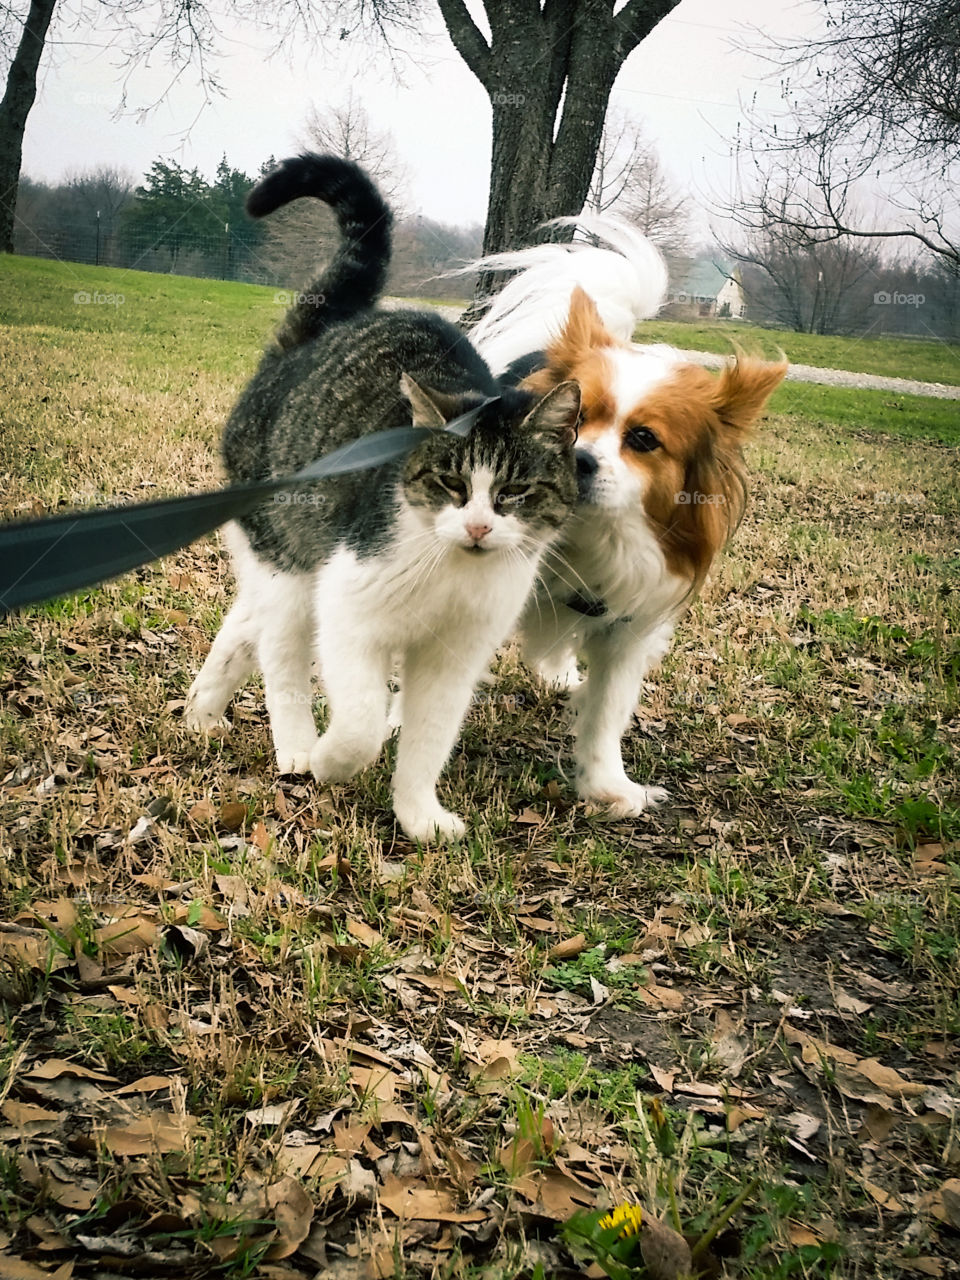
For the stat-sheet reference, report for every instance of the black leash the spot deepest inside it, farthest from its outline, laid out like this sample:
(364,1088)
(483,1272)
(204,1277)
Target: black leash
(55,555)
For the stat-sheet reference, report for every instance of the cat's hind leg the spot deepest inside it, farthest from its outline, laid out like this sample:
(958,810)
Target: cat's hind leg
(285,654)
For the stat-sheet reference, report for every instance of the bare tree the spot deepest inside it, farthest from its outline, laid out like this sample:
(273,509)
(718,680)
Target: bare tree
(348,131)
(872,112)
(18,99)
(102,193)
(630,180)
(305,231)
(811,288)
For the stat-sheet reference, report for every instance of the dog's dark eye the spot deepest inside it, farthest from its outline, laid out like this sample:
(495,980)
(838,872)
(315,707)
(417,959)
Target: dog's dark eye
(641,440)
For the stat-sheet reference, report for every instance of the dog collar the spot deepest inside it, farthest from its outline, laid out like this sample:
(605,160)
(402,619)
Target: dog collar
(590,608)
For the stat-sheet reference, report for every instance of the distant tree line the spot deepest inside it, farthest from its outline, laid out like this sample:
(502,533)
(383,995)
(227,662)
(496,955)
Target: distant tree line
(177,221)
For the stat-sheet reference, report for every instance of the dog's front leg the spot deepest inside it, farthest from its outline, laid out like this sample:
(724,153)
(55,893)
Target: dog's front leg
(618,657)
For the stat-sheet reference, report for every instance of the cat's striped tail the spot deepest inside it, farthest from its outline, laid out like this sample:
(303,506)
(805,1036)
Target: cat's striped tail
(356,276)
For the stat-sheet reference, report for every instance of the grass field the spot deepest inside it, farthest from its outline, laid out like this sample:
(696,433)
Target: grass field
(249,1029)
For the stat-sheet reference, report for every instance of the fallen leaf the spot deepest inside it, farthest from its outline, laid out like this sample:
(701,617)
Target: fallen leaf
(364,934)
(885,1199)
(814,1051)
(146,1084)
(568,948)
(275,1114)
(850,1004)
(126,936)
(409,1198)
(53,1068)
(666,1253)
(159,1131)
(30,1119)
(292,1210)
(233,816)
(664,1079)
(890,1081)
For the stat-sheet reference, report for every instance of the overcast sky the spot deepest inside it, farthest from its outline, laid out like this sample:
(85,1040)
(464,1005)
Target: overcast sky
(686,84)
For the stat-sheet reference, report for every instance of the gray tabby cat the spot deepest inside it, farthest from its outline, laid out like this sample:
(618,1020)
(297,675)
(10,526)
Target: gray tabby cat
(428,560)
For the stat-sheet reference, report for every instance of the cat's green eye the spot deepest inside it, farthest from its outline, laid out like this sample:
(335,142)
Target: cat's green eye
(455,485)
(512,495)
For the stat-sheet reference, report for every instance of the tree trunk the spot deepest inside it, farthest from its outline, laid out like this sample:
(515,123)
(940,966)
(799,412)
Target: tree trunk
(21,91)
(539,56)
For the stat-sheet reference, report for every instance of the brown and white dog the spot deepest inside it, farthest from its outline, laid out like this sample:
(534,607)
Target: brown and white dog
(662,488)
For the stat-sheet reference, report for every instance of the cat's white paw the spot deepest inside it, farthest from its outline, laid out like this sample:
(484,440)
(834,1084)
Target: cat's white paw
(625,799)
(295,758)
(204,717)
(332,761)
(429,822)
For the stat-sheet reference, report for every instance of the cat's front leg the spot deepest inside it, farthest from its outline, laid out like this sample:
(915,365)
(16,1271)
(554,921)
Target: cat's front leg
(438,681)
(355,668)
(617,660)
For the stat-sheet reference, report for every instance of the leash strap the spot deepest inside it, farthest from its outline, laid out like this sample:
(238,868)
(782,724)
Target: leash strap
(55,555)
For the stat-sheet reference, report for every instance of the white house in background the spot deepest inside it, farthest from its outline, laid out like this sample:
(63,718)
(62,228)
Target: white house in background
(710,289)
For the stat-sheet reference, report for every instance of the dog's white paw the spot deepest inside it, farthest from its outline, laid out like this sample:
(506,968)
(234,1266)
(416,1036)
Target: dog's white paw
(626,799)
(564,676)
(430,823)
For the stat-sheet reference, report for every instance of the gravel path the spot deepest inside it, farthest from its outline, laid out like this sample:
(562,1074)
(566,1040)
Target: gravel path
(843,378)
(796,372)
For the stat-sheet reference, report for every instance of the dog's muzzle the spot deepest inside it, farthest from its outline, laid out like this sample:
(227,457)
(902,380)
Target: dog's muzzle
(586,470)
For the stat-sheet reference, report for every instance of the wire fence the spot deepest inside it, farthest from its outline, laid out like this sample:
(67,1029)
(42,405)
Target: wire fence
(221,256)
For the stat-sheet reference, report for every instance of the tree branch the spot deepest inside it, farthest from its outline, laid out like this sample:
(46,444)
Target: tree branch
(637,19)
(467,38)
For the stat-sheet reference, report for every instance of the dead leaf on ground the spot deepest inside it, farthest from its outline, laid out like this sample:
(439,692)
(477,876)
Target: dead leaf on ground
(568,948)
(158,1131)
(411,1198)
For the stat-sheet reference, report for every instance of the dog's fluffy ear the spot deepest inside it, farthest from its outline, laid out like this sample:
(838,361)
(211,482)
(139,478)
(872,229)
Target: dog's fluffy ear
(554,418)
(583,332)
(742,391)
(431,408)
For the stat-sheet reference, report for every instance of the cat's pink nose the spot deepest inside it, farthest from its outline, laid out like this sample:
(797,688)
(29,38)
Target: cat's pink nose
(478,531)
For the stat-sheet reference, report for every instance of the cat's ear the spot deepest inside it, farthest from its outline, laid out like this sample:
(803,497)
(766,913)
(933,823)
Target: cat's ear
(554,419)
(430,408)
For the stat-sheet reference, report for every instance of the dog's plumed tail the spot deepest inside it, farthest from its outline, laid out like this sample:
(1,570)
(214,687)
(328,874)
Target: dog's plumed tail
(355,278)
(627,280)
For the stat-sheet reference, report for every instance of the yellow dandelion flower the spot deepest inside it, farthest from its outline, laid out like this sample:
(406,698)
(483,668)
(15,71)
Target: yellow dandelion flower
(628,1217)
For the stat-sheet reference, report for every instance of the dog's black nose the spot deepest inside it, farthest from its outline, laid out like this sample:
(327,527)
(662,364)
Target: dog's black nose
(586,463)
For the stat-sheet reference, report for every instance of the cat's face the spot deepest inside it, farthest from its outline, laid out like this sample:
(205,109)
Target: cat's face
(510,483)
